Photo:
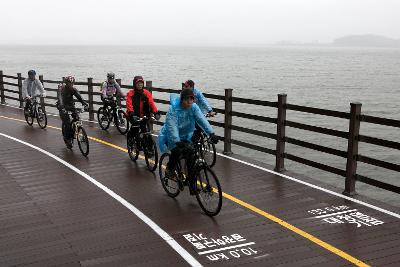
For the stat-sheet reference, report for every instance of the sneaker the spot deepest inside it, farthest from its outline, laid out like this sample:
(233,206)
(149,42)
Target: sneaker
(68,143)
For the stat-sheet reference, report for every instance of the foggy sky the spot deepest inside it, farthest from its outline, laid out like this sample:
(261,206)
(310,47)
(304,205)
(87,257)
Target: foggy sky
(193,22)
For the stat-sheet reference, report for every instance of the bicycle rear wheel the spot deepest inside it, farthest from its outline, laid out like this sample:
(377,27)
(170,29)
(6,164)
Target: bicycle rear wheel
(170,184)
(28,115)
(103,118)
(208,190)
(150,153)
(83,141)
(133,151)
(41,117)
(121,122)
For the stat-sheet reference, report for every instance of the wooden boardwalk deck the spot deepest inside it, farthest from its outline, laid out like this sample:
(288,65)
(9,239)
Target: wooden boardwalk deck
(52,216)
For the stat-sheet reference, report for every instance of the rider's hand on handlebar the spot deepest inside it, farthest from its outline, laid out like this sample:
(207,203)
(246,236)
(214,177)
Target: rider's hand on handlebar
(211,114)
(214,138)
(157,116)
(133,117)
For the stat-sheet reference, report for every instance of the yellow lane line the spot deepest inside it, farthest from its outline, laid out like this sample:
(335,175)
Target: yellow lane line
(264,214)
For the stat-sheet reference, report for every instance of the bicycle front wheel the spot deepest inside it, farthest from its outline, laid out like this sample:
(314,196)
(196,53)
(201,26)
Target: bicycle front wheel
(150,153)
(83,141)
(170,184)
(208,152)
(121,122)
(28,115)
(41,117)
(208,190)
(133,151)
(102,118)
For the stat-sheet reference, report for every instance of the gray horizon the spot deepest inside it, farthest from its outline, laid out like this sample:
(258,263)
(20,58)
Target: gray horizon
(195,23)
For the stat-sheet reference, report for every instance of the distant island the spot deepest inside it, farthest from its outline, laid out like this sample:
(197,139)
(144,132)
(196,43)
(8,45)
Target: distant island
(366,40)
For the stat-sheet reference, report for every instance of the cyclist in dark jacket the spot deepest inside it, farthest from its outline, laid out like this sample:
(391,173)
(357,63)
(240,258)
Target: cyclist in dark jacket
(65,94)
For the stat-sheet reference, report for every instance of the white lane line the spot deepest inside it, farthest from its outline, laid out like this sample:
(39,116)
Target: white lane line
(164,235)
(333,214)
(226,248)
(388,212)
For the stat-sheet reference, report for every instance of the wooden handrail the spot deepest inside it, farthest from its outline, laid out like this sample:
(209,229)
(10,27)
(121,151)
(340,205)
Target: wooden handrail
(380,121)
(325,112)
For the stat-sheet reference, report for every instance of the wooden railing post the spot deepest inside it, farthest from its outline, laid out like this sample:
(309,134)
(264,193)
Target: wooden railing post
(42,103)
(228,122)
(3,99)
(90,98)
(280,133)
(149,85)
(352,149)
(21,101)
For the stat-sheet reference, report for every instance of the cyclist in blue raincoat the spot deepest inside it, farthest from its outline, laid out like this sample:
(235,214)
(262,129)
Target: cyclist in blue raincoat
(179,126)
(203,104)
(199,98)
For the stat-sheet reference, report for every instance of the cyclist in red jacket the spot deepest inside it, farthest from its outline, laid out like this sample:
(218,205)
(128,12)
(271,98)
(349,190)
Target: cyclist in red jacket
(140,103)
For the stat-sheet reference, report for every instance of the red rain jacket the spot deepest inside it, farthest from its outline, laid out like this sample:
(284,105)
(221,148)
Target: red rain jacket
(146,99)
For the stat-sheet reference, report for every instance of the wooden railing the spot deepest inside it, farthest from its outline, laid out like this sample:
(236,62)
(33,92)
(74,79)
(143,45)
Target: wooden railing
(353,136)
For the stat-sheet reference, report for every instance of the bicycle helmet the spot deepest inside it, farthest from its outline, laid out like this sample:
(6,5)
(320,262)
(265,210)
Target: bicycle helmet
(110,75)
(189,83)
(70,79)
(32,73)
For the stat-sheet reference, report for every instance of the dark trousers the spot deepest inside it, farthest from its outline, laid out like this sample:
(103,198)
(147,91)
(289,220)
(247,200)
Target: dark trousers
(108,102)
(177,153)
(196,134)
(66,122)
(28,104)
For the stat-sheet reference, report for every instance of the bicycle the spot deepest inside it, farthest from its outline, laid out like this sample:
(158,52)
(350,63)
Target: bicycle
(79,134)
(205,147)
(33,110)
(196,174)
(142,142)
(113,114)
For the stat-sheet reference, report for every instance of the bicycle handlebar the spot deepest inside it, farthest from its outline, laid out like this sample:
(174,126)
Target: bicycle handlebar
(208,115)
(77,110)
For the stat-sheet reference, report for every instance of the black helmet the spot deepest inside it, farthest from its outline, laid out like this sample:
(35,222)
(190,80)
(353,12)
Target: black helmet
(110,75)
(31,72)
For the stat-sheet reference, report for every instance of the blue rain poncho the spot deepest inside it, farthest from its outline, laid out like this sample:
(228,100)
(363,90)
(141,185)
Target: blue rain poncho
(201,101)
(180,124)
